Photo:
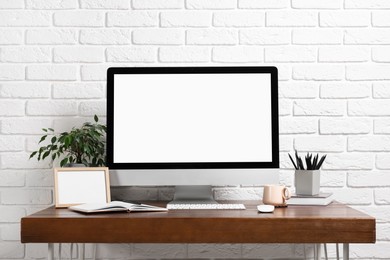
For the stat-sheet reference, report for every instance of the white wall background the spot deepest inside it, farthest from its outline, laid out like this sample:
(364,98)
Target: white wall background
(333,57)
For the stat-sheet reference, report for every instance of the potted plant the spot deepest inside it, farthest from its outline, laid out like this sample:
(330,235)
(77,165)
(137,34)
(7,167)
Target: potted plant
(84,146)
(307,180)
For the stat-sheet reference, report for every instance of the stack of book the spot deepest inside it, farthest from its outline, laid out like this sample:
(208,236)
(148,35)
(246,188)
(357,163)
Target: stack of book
(321,199)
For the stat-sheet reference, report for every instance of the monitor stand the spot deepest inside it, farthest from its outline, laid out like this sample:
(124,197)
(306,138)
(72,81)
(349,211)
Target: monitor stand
(198,194)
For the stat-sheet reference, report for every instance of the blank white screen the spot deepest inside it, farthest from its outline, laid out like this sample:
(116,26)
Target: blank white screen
(192,118)
(81,187)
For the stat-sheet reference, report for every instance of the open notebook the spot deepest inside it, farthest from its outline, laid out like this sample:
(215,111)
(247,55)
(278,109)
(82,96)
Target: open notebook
(114,206)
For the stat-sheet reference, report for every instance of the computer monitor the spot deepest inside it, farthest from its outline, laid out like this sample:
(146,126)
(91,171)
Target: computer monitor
(192,125)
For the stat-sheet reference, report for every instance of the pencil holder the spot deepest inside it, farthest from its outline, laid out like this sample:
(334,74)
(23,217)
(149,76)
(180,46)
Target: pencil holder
(307,182)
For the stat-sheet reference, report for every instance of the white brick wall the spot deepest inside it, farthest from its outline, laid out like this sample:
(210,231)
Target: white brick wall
(321,36)
(187,19)
(344,19)
(79,18)
(51,36)
(334,69)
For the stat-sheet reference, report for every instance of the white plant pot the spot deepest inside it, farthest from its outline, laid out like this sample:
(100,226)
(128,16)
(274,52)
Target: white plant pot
(307,182)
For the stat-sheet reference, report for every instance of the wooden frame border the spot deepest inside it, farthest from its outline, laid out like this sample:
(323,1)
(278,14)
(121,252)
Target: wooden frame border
(69,169)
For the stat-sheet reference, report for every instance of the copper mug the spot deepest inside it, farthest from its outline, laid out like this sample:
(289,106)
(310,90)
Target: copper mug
(276,195)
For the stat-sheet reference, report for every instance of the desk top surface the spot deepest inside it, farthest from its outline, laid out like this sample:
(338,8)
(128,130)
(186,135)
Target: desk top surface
(333,211)
(294,224)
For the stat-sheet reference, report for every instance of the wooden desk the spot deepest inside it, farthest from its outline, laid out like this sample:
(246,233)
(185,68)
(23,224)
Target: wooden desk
(335,223)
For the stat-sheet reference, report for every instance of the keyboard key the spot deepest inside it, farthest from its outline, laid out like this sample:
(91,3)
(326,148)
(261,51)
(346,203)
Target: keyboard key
(206,206)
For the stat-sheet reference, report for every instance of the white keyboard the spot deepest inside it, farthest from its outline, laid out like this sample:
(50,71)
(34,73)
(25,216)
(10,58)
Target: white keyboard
(205,206)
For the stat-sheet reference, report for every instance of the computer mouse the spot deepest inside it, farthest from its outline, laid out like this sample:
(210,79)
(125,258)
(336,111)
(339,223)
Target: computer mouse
(266,208)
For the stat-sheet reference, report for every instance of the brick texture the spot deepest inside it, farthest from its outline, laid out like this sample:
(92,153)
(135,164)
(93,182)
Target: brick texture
(333,59)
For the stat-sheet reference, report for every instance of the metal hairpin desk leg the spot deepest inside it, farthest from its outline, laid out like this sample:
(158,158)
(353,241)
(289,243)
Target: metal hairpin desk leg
(326,251)
(94,249)
(345,251)
(50,251)
(317,252)
(81,251)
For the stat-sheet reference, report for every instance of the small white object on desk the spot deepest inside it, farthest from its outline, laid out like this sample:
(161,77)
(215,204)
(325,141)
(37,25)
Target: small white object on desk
(266,208)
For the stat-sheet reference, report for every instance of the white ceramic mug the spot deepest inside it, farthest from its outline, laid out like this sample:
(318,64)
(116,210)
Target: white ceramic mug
(276,195)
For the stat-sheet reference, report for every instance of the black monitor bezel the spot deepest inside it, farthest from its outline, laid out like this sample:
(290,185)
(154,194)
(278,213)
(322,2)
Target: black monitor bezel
(192,165)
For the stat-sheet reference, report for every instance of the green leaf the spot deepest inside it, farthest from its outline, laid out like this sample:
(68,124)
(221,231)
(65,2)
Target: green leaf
(42,139)
(33,154)
(51,129)
(96,118)
(45,155)
(68,140)
(61,139)
(63,162)
(44,129)
(53,139)
(101,162)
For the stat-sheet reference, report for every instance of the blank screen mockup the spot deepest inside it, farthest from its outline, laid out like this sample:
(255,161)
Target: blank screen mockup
(217,117)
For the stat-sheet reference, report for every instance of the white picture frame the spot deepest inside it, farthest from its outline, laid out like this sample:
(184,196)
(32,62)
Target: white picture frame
(79,185)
